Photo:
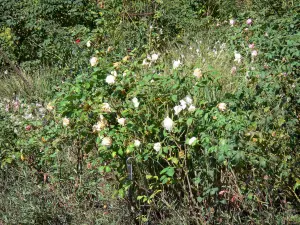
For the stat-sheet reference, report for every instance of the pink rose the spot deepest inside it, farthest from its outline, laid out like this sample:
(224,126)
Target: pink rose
(254,53)
(251,46)
(249,21)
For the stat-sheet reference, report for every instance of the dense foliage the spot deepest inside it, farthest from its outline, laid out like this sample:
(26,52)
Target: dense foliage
(199,98)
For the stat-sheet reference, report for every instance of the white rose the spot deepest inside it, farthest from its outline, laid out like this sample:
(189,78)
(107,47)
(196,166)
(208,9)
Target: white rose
(197,73)
(106,141)
(135,102)
(137,143)
(154,57)
(192,108)
(188,100)
(168,123)
(177,109)
(122,121)
(66,121)
(94,61)
(157,146)
(192,140)
(88,44)
(237,57)
(50,107)
(110,79)
(176,64)
(183,103)
(105,107)
(222,106)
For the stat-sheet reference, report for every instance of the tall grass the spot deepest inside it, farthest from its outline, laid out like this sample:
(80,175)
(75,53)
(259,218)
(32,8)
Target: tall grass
(42,84)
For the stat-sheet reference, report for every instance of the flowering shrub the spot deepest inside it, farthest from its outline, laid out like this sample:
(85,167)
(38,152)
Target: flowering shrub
(222,144)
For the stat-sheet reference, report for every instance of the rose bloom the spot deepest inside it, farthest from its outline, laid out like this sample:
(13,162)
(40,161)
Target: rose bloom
(93,61)
(145,63)
(110,79)
(168,123)
(222,106)
(192,108)
(232,22)
(137,143)
(102,123)
(192,140)
(183,103)
(88,44)
(28,127)
(249,21)
(176,64)
(188,100)
(254,53)
(197,73)
(66,121)
(105,107)
(157,146)
(252,46)
(237,57)
(135,102)
(50,107)
(122,121)
(154,57)
(177,109)
(106,141)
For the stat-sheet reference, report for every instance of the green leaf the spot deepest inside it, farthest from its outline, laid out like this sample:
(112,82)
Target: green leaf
(189,121)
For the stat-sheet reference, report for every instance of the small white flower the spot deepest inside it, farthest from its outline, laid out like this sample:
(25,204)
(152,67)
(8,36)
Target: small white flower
(137,143)
(222,106)
(154,57)
(135,102)
(198,50)
(5,72)
(254,53)
(122,121)
(50,107)
(176,64)
(66,121)
(105,107)
(178,109)
(237,57)
(168,123)
(192,140)
(197,73)
(232,22)
(97,127)
(88,44)
(188,100)
(110,79)
(114,73)
(183,103)
(106,141)
(145,63)
(192,108)
(94,61)
(102,123)
(27,116)
(157,146)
